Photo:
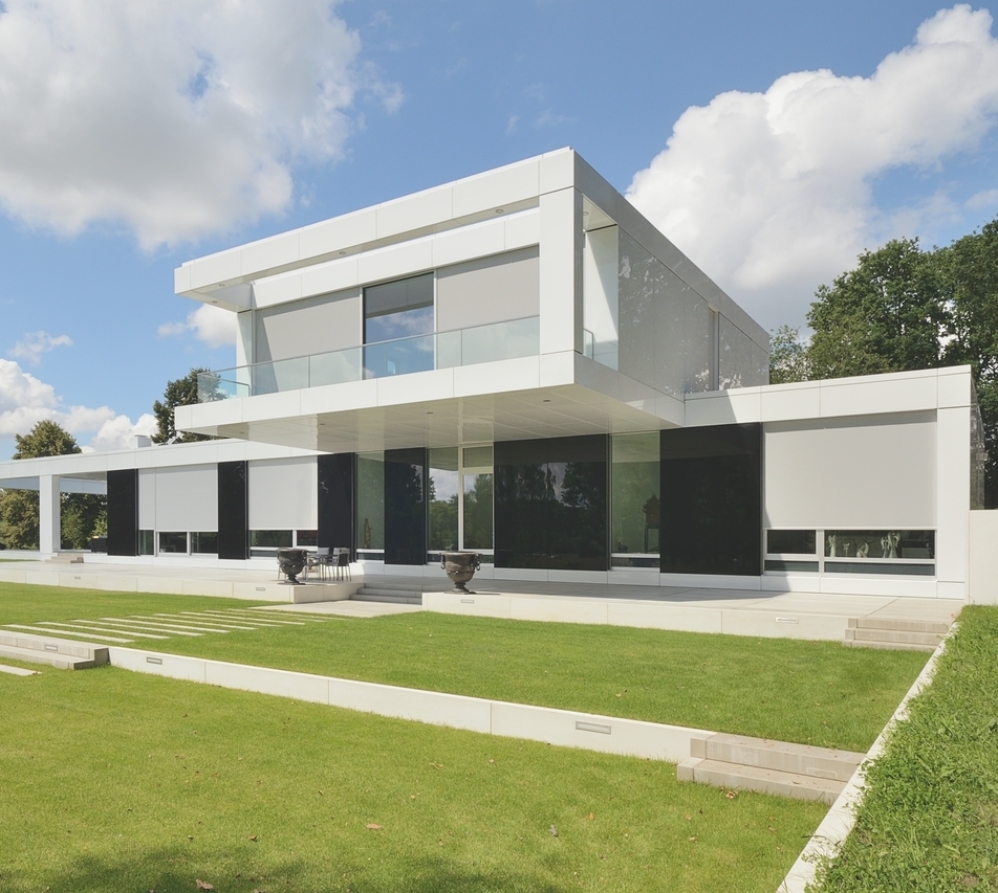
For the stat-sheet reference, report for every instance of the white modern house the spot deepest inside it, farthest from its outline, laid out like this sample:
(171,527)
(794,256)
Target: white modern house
(520,364)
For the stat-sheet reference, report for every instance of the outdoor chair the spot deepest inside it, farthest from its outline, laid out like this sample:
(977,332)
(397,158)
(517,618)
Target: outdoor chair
(341,564)
(319,559)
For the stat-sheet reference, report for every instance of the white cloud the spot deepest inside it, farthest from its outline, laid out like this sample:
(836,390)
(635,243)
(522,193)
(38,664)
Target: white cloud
(212,325)
(176,118)
(25,401)
(771,193)
(31,347)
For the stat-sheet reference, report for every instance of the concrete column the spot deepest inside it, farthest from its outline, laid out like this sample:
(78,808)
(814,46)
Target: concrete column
(49,514)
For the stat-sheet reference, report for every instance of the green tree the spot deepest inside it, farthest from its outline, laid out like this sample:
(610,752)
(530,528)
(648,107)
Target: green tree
(83,515)
(179,392)
(787,356)
(887,315)
(971,267)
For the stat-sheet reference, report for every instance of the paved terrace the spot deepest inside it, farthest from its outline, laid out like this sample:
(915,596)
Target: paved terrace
(777,614)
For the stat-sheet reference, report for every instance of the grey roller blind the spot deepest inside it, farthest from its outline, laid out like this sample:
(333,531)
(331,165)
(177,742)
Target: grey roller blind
(283,494)
(186,498)
(868,472)
(492,289)
(303,328)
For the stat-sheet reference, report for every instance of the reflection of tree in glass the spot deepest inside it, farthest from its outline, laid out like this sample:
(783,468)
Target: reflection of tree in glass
(478,512)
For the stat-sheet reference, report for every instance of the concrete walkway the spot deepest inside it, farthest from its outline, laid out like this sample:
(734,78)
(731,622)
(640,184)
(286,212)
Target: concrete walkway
(801,615)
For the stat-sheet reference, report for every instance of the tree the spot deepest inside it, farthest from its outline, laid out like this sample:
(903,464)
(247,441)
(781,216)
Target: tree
(179,392)
(787,356)
(887,315)
(902,309)
(83,515)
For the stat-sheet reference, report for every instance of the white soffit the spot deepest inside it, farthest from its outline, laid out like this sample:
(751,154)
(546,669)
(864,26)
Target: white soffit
(563,411)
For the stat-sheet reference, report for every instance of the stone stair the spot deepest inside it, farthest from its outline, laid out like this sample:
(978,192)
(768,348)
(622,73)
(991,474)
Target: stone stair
(798,771)
(398,593)
(898,635)
(65,558)
(63,654)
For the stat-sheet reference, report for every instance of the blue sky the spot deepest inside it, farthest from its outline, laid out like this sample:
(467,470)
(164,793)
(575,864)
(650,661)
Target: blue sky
(771,141)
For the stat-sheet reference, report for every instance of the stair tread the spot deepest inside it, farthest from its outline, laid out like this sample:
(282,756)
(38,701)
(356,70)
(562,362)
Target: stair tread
(771,781)
(888,646)
(51,658)
(782,756)
(68,647)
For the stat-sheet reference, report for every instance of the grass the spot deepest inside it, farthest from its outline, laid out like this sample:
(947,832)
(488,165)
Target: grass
(929,820)
(810,692)
(120,781)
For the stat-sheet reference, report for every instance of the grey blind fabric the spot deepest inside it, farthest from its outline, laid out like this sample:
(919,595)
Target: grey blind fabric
(186,498)
(312,326)
(866,472)
(283,494)
(492,289)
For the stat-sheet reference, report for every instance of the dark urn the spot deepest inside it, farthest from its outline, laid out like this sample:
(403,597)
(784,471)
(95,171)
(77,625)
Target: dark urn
(460,567)
(291,563)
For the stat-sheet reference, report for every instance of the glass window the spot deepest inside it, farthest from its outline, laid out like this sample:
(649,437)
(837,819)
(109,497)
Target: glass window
(398,309)
(204,543)
(790,542)
(371,501)
(477,493)
(443,500)
(635,510)
(270,539)
(147,542)
(307,538)
(882,544)
(172,543)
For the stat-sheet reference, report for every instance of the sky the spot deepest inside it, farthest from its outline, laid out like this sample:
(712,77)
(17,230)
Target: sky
(772,142)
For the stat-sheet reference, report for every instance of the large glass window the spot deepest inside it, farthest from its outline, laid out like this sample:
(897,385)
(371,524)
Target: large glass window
(461,501)
(443,500)
(371,504)
(635,510)
(401,313)
(172,543)
(204,543)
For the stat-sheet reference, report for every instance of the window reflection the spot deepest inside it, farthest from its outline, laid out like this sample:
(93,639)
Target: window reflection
(635,510)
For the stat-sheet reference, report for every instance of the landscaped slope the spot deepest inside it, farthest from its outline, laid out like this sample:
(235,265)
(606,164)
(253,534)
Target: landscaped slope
(929,820)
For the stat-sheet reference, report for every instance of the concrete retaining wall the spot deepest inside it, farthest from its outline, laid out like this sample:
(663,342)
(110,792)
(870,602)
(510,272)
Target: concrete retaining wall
(606,734)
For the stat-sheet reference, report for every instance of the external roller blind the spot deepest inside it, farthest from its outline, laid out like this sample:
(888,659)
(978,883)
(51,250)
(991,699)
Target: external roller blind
(186,498)
(283,494)
(493,289)
(862,472)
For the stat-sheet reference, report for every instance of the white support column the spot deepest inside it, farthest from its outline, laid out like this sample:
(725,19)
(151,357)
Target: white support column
(562,241)
(953,500)
(49,514)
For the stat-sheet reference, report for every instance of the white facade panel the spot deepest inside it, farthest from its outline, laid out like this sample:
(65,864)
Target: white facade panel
(853,473)
(186,498)
(283,494)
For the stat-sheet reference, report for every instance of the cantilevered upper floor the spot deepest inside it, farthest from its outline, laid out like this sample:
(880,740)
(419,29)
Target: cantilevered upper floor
(529,301)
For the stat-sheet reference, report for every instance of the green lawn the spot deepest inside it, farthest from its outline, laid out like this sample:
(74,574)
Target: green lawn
(117,781)
(810,692)
(929,821)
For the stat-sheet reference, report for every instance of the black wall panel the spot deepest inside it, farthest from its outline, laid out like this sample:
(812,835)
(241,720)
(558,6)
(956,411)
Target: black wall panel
(551,503)
(337,477)
(233,510)
(123,512)
(712,500)
(405,506)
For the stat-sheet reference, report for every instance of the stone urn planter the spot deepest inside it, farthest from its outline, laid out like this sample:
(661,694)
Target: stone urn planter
(291,562)
(461,567)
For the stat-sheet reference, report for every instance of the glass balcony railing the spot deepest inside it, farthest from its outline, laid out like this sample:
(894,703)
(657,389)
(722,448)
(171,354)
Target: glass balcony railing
(443,350)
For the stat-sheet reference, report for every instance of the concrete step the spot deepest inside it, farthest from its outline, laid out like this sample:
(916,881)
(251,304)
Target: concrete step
(391,596)
(54,645)
(389,583)
(755,778)
(888,646)
(899,636)
(61,653)
(911,626)
(780,756)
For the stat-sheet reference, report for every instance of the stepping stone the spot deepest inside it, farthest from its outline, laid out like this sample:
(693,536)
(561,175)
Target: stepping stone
(17,671)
